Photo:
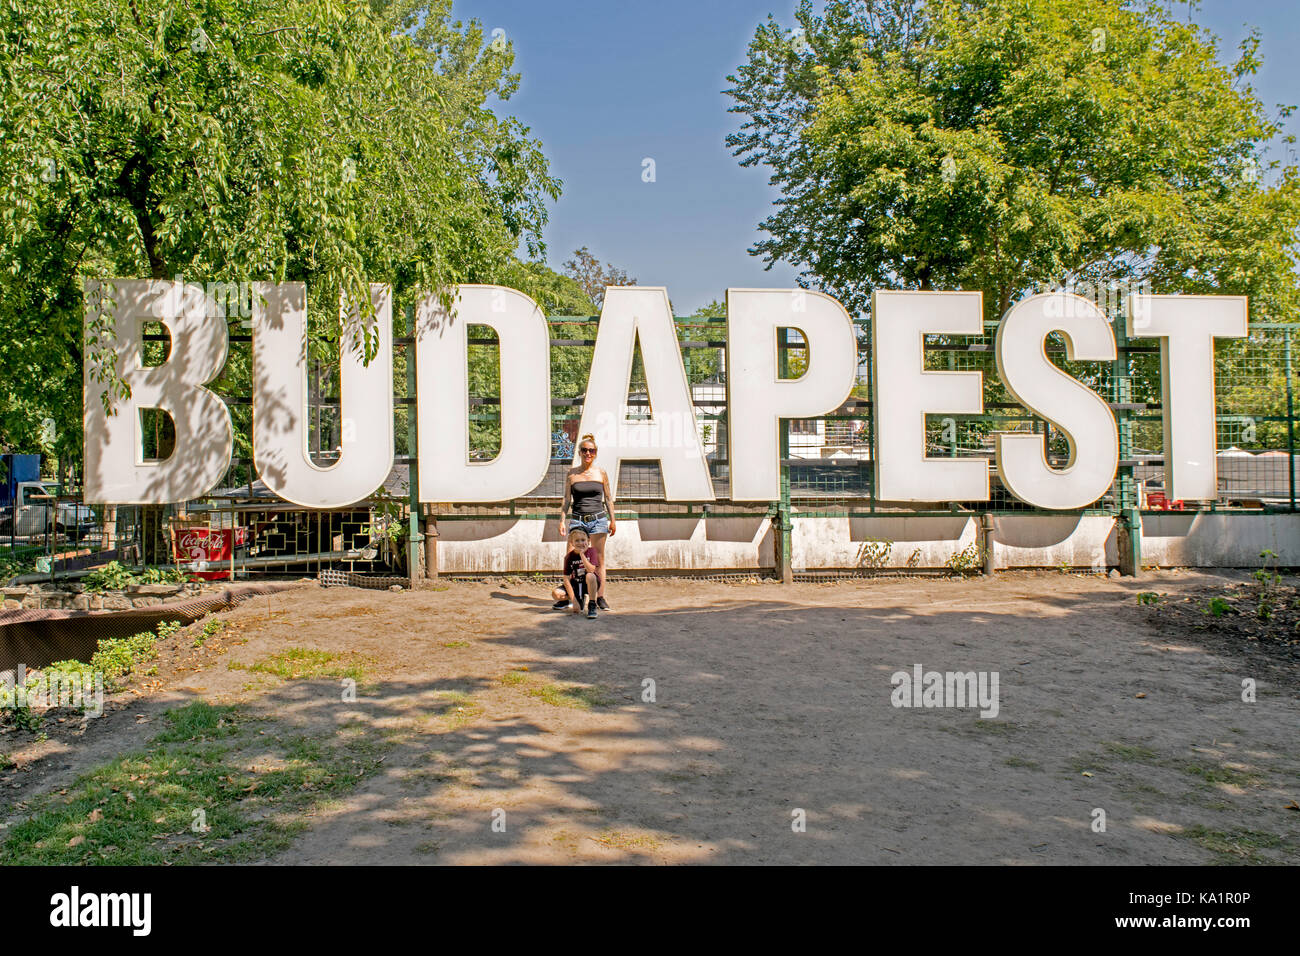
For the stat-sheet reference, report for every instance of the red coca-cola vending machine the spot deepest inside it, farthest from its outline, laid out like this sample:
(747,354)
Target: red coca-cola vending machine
(208,546)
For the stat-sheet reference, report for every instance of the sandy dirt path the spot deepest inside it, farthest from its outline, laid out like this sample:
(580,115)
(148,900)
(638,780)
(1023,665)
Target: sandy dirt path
(770,700)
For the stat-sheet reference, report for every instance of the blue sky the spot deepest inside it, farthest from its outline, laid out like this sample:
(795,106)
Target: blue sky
(608,83)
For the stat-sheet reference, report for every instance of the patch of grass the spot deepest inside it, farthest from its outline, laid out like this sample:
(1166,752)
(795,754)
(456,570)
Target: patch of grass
(1219,775)
(198,721)
(979,727)
(617,840)
(1021,762)
(456,644)
(302,663)
(514,678)
(1236,846)
(459,707)
(1131,752)
(575,698)
(1087,763)
(204,790)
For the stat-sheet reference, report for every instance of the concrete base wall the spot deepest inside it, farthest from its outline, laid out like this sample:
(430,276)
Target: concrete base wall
(519,545)
(511,545)
(1219,540)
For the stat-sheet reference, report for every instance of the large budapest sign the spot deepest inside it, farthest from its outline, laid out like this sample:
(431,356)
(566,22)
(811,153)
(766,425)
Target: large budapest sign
(758,397)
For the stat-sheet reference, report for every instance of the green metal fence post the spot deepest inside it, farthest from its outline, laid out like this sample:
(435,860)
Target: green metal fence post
(1290,419)
(784,571)
(1129,538)
(415,538)
(871,412)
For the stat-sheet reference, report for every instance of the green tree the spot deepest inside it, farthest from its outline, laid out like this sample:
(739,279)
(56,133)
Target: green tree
(329,142)
(1004,145)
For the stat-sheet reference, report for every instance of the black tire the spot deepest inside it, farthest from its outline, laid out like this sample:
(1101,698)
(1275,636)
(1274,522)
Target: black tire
(7,527)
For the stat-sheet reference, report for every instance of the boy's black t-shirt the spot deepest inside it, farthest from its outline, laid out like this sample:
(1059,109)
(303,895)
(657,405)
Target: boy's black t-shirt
(573,563)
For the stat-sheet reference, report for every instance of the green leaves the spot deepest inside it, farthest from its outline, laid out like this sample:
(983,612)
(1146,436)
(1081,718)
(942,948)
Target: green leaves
(237,141)
(1003,145)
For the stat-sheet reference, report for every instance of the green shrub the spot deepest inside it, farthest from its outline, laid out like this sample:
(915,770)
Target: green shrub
(162,576)
(113,576)
(116,577)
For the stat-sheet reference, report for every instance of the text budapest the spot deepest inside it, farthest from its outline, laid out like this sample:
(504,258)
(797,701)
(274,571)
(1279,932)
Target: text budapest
(758,396)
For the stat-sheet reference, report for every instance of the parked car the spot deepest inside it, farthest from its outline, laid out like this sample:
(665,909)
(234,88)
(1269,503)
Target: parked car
(34,511)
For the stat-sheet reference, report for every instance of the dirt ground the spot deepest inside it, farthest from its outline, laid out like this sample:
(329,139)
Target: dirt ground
(518,734)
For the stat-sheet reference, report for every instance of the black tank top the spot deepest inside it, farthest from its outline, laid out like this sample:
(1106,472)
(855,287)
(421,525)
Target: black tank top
(588,497)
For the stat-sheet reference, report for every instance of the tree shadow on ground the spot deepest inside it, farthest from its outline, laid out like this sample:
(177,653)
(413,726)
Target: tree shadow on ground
(770,735)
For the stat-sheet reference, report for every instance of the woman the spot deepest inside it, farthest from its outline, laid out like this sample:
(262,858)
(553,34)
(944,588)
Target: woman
(589,505)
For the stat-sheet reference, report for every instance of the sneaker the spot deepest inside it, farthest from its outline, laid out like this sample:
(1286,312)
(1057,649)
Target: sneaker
(560,605)
(591,610)
(600,603)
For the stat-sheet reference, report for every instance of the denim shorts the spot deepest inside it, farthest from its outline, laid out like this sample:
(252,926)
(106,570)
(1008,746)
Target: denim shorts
(594,524)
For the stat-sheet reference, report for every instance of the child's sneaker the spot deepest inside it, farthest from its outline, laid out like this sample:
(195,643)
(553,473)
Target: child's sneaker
(601,603)
(591,610)
(560,605)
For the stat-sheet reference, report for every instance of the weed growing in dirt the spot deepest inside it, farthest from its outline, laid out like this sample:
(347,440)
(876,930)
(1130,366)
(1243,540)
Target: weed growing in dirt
(204,790)
(1217,607)
(514,678)
(1148,598)
(1269,580)
(211,628)
(969,560)
(455,644)
(23,717)
(874,553)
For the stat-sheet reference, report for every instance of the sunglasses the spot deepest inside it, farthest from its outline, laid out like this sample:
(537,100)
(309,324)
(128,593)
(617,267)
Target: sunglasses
(587,451)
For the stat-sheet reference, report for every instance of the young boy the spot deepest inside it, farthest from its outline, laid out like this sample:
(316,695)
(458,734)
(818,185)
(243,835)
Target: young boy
(581,570)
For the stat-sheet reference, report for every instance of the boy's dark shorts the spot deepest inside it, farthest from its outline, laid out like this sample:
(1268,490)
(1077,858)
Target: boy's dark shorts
(579,586)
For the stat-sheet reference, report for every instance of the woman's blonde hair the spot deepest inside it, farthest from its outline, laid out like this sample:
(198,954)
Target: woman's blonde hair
(588,437)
